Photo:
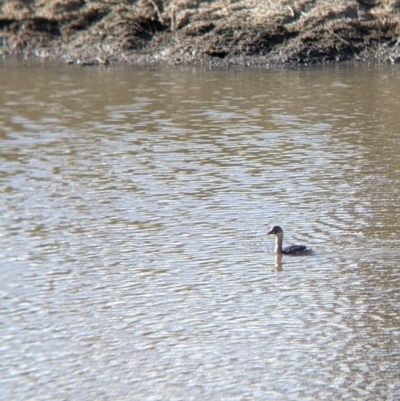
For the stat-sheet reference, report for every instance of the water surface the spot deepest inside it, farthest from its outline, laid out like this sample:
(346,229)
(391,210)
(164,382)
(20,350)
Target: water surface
(134,206)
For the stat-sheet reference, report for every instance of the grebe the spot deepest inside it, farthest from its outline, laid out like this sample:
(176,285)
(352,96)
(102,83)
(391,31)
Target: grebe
(289,250)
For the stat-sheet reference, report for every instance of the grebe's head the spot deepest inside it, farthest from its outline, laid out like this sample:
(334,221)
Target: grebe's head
(275,230)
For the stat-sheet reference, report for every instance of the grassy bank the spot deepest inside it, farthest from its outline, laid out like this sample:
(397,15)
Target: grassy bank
(220,32)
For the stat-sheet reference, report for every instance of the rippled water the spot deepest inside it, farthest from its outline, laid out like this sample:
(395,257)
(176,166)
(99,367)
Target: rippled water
(134,206)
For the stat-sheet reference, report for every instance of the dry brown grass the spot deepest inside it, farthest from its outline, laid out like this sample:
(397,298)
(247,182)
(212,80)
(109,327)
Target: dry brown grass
(283,30)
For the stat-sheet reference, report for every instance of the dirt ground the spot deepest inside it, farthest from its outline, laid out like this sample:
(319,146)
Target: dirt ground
(208,32)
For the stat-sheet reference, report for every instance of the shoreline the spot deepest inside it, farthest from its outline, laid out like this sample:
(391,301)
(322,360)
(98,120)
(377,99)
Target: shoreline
(220,33)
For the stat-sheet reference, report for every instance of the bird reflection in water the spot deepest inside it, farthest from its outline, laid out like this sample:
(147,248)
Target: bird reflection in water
(278,262)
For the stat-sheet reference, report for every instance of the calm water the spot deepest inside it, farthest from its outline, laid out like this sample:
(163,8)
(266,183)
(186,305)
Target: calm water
(134,206)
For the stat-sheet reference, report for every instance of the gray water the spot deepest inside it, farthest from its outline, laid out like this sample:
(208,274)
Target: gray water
(134,261)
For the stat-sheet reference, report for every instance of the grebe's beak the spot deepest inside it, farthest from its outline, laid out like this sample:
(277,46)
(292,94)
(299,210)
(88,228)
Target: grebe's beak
(270,232)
